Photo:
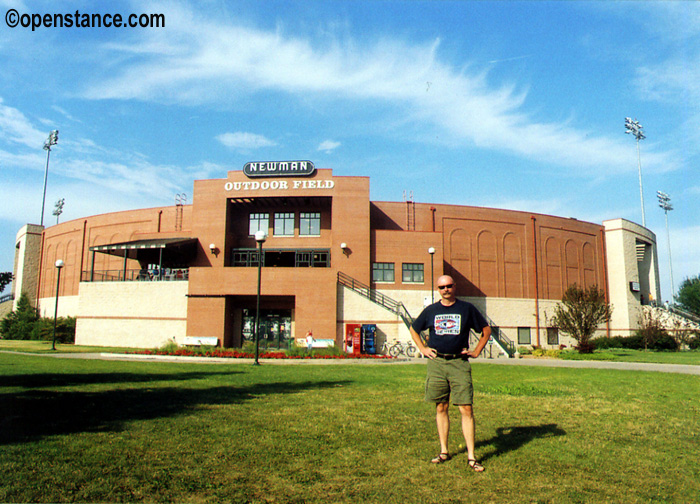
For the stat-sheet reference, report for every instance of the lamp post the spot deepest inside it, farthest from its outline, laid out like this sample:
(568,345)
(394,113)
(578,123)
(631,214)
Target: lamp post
(665,203)
(51,140)
(59,265)
(431,251)
(636,129)
(260,237)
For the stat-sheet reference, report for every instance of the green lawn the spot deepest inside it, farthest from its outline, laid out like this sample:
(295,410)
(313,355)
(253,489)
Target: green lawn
(691,358)
(76,430)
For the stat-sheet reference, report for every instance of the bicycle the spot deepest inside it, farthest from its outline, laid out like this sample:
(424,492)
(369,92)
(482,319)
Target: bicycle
(399,348)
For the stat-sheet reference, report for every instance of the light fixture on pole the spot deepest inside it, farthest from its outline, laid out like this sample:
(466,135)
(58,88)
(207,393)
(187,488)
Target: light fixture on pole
(58,208)
(260,237)
(665,203)
(59,266)
(634,128)
(52,140)
(431,251)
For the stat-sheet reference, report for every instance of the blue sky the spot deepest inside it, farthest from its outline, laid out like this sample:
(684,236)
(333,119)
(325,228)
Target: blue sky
(505,104)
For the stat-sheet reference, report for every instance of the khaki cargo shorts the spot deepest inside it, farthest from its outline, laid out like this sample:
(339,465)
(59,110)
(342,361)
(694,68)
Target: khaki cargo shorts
(449,379)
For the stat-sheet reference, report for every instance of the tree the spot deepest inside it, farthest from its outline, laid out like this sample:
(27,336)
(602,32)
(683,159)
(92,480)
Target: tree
(689,295)
(580,313)
(19,324)
(5,279)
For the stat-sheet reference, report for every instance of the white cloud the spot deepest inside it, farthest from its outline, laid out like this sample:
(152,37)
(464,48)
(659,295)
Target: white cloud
(328,146)
(227,62)
(16,128)
(243,140)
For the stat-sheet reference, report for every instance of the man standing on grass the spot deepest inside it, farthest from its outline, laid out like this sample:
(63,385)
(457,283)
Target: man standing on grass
(449,372)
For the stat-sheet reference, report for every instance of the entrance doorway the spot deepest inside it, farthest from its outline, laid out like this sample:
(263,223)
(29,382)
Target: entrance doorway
(275,328)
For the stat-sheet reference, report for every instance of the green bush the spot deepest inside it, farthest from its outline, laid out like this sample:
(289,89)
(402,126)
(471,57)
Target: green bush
(694,343)
(523,350)
(19,324)
(65,329)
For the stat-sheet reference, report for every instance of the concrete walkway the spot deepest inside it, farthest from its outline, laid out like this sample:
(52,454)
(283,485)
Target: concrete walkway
(624,366)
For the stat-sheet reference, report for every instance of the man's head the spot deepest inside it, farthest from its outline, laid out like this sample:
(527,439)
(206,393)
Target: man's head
(447,288)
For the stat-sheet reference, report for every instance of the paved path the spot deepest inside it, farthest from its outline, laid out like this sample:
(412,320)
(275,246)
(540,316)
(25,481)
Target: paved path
(626,366)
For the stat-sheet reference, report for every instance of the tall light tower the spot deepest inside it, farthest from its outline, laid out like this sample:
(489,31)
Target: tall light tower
(633,127)
(665,203)
(52,140)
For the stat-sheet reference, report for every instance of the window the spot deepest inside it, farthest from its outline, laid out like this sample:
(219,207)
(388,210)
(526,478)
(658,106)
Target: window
(383,272)
(258,222)
(309,224)
(284,224)
(412,273)
(552,336)
(523,335)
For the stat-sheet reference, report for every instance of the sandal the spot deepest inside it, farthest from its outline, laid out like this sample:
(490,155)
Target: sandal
(476,466)
(440,458)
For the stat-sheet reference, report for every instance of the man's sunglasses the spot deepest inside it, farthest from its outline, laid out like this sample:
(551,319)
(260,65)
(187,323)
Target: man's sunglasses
(448,286)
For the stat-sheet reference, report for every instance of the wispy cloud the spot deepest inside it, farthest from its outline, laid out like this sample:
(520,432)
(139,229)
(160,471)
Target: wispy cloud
(227,62)
(16,128)
(243,140)
(328,146)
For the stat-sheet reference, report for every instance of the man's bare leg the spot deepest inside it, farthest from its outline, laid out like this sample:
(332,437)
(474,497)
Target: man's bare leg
(442,418)
(469,431)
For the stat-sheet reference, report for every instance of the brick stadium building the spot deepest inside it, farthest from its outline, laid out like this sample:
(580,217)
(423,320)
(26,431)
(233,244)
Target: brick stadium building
(332,257)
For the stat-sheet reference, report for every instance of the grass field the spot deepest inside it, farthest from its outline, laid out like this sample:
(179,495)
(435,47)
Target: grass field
(78,430)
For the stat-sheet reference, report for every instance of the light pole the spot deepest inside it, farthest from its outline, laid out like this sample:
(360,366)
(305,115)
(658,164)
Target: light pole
(59,266)
(52,140)
(431,251)
(634,128)
(260,237)
(665,203)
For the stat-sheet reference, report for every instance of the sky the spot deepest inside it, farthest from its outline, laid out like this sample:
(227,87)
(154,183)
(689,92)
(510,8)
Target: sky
(505,104)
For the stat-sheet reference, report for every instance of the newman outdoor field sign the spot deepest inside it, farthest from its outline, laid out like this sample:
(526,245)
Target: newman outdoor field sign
(279,169)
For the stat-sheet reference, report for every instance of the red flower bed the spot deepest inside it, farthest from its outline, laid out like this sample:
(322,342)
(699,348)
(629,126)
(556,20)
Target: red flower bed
(237,354)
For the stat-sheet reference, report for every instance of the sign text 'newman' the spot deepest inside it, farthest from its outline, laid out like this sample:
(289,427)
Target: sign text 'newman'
(279,169)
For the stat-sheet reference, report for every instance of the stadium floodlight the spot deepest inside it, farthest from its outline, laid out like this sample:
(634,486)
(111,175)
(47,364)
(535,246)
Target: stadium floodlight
(634,128)
(665,203)
(51,140)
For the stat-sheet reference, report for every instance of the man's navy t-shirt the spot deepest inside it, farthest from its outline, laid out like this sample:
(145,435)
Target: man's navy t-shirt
(449,326)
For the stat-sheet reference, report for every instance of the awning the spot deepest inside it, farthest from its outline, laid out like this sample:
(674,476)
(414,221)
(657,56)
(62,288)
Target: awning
(161,243)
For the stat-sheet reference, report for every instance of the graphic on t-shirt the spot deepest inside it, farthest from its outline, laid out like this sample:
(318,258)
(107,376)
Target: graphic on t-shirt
(448,324)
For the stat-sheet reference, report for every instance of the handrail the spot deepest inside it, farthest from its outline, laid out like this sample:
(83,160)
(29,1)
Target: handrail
(684,314)
(7,297)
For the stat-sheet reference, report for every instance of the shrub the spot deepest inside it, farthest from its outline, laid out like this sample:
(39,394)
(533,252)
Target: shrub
(694,343)
(580,312)
(523,350)
(65,329)
(653,335)
(19,324)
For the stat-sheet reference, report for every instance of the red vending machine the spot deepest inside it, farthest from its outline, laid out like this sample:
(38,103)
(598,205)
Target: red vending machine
(353,338)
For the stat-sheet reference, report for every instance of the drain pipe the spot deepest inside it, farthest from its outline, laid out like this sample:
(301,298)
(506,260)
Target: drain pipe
(537,281)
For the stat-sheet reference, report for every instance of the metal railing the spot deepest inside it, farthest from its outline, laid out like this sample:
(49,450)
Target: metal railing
(682,313)
(136,275)
(371,294)
(7,297)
